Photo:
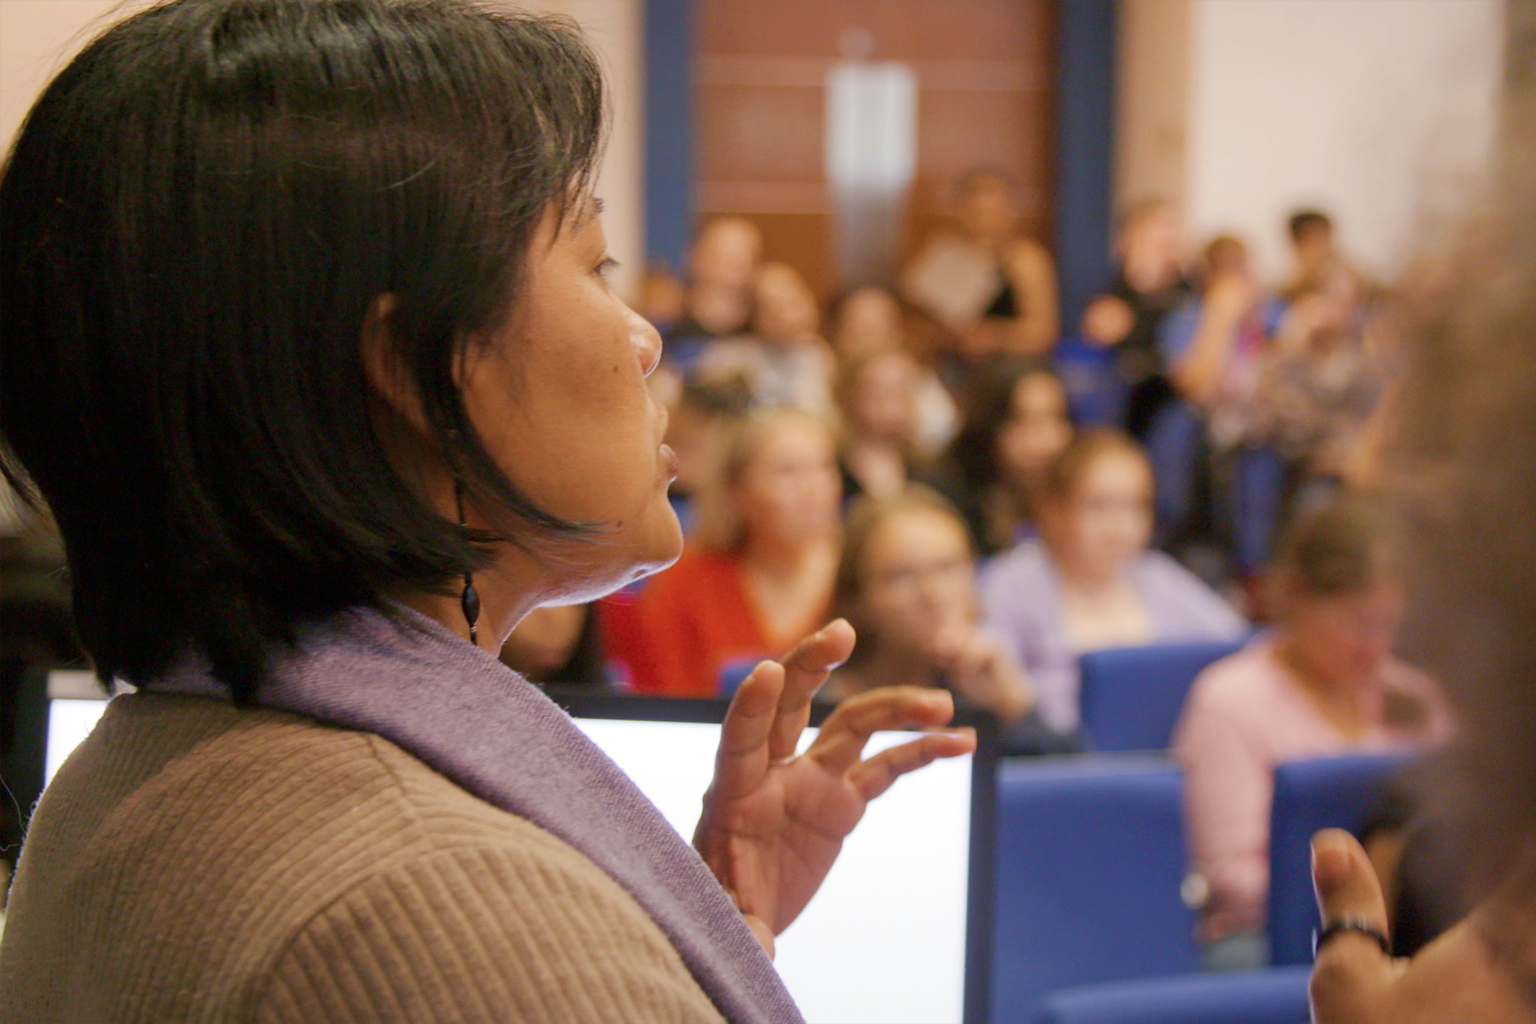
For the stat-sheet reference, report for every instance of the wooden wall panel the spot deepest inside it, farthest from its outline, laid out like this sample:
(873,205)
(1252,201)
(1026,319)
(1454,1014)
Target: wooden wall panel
(986,95)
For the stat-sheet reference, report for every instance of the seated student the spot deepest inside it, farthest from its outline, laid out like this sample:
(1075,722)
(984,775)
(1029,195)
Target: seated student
(783,361)
(1091,583)
(870,318)
(717,294)
(1124,318)
(875,395)
(1216,346)
(1323,682)
(907,584)
(758,567)
(995,470)
(992,287)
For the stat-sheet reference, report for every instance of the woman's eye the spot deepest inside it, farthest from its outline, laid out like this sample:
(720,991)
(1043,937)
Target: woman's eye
(606,268)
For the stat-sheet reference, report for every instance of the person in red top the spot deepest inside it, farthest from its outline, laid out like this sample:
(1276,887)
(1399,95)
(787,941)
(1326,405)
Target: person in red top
(757,572)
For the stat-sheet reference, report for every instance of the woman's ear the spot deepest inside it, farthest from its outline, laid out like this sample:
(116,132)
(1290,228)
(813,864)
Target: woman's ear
(387,379)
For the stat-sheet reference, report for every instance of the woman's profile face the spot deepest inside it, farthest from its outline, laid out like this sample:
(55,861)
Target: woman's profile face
(918,579)
(558,395)
(789,491)
(1106,520)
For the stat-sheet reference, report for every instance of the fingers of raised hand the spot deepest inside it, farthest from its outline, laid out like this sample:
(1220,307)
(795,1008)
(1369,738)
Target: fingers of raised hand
(805,669)
(743,757)
(841,742)
(1352,970)
(875,775)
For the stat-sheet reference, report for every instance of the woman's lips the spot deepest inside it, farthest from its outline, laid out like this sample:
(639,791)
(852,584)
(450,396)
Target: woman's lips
(668,461)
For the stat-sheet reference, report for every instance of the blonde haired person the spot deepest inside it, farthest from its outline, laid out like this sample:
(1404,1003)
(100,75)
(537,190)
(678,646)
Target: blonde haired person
(758,567)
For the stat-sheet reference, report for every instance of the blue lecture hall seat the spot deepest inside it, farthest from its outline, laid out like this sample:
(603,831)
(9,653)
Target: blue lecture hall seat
(1330,792)
(1132,696)
(1090,858)
(1274,996)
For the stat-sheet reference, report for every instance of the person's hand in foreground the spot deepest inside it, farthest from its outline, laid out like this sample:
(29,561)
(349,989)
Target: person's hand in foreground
(773,822)
(1454,978)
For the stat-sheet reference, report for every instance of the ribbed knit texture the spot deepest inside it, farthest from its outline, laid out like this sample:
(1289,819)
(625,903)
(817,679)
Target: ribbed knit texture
(196,862)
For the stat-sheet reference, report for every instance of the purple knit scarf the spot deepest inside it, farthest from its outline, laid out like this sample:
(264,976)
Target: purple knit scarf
(492,732)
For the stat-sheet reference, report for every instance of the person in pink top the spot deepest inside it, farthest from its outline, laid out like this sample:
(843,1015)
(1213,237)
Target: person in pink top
(1322,683)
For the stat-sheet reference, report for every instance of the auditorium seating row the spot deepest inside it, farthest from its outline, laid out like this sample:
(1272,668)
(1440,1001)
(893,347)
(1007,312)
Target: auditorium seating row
(1090,924)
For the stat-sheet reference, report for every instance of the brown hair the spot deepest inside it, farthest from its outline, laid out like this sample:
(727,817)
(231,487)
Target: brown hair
(865,517)
(1343,547)
(717,526)
(1087,447)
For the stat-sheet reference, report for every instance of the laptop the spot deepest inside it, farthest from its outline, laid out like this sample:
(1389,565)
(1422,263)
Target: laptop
(900,931)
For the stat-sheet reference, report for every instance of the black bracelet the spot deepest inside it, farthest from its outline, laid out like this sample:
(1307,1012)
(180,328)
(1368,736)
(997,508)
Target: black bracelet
(1350,924)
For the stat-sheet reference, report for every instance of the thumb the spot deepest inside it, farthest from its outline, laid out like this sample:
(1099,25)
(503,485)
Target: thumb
(1352,971)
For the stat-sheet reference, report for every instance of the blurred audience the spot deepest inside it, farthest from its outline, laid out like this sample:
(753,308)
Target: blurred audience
(756,574)
(717,299)
(872,318)
(992,288)
(995,470)
(1321,379)
(1148,284)
(1091,583)
(1217,482)
(783,361)
(907,583)
(877,399)
(1323,682)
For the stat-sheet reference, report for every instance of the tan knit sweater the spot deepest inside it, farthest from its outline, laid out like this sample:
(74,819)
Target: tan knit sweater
(197,862)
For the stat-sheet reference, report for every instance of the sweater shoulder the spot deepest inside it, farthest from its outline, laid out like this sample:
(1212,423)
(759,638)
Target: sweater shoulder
(236,841)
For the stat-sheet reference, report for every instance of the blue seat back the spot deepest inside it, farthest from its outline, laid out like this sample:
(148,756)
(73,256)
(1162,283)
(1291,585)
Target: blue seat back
(1132,696)
(1089,862)
(1274,996)
(1329,792)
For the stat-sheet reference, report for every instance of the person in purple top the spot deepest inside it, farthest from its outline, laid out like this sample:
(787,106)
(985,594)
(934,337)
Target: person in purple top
(1090,582)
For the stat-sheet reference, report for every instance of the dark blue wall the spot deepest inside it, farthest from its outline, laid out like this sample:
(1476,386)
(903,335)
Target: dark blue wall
(1085,133)
(668,130)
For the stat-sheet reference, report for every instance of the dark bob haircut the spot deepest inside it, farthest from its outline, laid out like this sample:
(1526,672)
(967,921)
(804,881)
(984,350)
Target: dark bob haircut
(198,214)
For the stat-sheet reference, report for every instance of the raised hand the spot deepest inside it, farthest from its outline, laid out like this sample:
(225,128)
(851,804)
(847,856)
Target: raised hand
(774,822)
(1456,977)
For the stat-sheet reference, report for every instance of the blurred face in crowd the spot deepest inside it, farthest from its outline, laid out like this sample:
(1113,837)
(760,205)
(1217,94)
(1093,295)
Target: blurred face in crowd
(785,308)
(870,318)
(1227,257)
(1104,521)
(789,491)
(918,579)
(1344,639)
(1036,431)
(987,211)
(879,399)
(1151,247)
(726,254)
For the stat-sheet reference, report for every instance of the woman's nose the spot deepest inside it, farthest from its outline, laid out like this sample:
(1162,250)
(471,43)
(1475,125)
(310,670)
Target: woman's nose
(646,340)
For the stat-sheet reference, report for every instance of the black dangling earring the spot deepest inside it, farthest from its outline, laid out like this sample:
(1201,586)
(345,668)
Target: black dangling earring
(470,601)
